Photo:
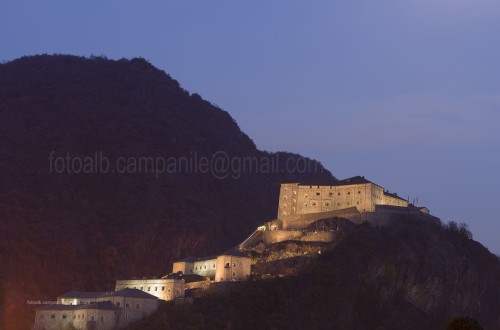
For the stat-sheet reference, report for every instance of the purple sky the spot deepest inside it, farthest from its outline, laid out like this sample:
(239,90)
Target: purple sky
(406,93)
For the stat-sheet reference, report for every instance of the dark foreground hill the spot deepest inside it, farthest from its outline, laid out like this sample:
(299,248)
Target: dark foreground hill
(410,275)
(69,222)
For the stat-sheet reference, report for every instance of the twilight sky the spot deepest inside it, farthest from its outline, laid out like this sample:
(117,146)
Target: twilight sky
(406,93)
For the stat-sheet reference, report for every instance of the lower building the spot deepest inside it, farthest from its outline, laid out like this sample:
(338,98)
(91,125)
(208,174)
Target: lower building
(162,288)
(231,265)
(95,310)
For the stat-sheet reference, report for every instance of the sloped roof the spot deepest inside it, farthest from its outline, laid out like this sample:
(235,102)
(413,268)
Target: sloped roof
(78,294)
(354,180)
(234,253)
(394,196)
(133,293)
(99,305)
(194,259)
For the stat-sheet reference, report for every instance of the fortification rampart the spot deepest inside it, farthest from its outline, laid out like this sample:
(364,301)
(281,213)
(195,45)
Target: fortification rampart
(300,221)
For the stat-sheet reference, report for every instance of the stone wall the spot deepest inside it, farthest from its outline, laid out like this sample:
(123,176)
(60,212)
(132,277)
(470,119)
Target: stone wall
(162,288)
(276,236)
(300,221)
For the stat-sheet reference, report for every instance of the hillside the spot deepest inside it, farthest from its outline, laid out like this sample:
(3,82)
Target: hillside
(84,228)
(409,275)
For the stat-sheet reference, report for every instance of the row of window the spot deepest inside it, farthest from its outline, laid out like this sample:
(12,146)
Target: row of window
(149,288)
(227,264)
(205,267)
(326,204)
(76,316)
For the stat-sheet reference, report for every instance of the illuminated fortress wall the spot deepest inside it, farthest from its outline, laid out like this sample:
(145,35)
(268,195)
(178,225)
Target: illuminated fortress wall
(297,200)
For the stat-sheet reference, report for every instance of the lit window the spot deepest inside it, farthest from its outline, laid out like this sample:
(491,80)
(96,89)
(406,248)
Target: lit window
(234,264)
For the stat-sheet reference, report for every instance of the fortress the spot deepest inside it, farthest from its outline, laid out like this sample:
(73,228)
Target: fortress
(355,198)
(300,206)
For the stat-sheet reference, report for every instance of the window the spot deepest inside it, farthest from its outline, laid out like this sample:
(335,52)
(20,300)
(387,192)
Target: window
(64,316)
(305,204)
(162,288)
(205,266)
(313,203)
(138,306)
(142,288)
(53,316)
(357,202)
(338,194)
(92,318)
(331,194)
(127,305)
(102,318)
(317,194)
(348,192)
(359,191)
(234,274)
(234,264)
(149,288)
(156,288)
(214,266)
